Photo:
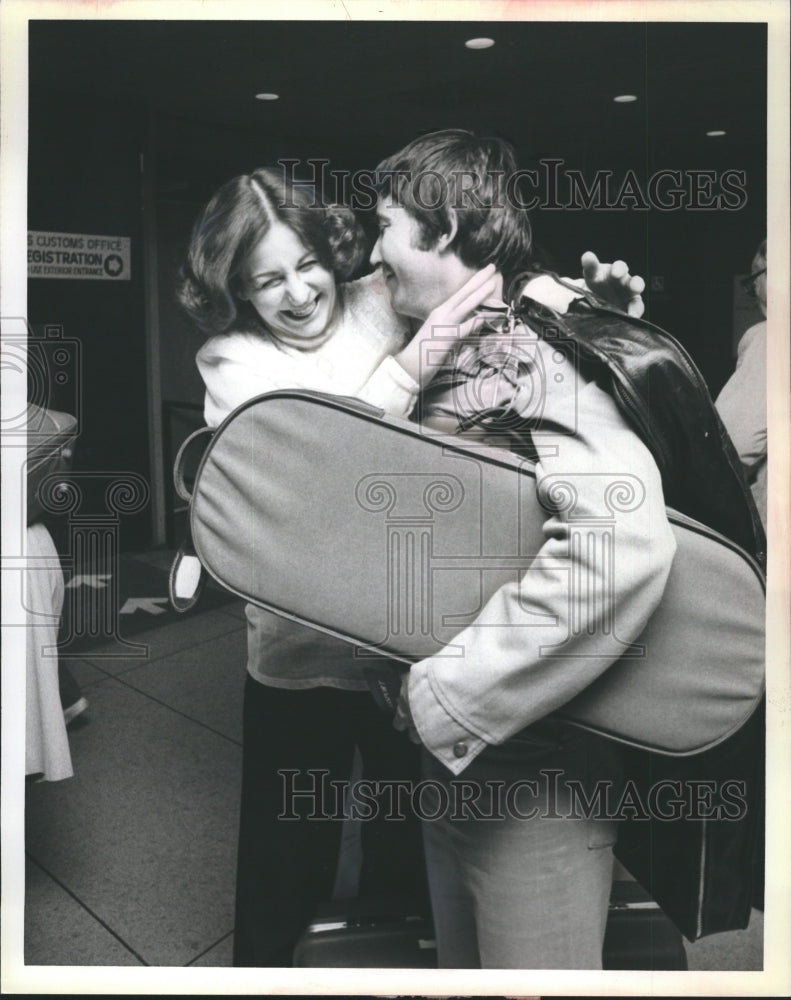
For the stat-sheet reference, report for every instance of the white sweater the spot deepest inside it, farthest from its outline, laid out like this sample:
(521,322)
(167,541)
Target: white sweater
(356,361)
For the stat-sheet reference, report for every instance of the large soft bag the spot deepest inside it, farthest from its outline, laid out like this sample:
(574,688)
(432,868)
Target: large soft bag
(325,511)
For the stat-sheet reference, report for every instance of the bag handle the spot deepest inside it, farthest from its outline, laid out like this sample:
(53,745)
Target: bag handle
(187,577)
(178,466)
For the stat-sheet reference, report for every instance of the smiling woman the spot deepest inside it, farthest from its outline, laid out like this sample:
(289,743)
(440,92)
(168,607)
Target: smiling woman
(264,275)
(290,290)
(257,231)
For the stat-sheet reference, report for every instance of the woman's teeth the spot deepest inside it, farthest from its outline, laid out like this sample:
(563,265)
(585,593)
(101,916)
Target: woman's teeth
(304,312)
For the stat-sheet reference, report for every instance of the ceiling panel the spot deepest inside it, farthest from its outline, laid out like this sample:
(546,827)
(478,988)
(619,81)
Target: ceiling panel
(547,85)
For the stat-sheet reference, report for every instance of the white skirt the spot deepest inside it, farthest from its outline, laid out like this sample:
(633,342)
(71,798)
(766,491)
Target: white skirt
(46,742)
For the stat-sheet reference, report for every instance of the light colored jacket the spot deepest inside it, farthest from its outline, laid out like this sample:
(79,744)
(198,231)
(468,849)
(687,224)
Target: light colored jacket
(595,581)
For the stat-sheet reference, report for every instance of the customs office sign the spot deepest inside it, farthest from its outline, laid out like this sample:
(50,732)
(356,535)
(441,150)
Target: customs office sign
(78,256)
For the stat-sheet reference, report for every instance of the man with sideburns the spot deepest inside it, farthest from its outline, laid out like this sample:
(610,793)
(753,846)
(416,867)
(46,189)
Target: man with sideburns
(529,886)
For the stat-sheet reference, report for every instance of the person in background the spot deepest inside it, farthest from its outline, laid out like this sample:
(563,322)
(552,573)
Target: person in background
(742,401)
(47,754)
(742,405)
(54,698)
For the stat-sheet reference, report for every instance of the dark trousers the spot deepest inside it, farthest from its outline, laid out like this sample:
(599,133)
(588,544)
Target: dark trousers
(287,865)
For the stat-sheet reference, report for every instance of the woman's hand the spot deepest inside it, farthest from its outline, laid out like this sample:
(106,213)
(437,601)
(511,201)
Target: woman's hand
(449,323)
(611,282)
(614,284)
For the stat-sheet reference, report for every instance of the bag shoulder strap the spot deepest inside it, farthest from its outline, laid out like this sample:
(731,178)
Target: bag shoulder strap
(187,577)
(659,390)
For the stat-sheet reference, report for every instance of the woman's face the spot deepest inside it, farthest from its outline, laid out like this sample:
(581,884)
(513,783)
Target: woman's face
(290,290)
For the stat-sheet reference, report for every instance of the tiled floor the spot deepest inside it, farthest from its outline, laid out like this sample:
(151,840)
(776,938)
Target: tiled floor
(131,861)
(140,843)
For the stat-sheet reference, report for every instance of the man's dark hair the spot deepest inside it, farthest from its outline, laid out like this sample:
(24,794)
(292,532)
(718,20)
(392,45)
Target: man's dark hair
(456,172)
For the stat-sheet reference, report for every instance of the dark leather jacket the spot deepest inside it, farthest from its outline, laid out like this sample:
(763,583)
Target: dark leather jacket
(663,396)
(702,872)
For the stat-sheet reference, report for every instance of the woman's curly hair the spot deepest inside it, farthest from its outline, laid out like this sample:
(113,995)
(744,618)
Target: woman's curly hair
(232,225)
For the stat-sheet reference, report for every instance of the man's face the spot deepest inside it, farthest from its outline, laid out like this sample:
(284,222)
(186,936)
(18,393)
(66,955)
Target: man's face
(418,280)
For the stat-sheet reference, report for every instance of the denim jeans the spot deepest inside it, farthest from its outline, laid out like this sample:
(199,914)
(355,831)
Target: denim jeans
(517,882)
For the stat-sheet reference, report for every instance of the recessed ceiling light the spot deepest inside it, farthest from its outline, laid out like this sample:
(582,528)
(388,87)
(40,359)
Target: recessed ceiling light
(267,97)
(716,131)
(479,43)
(625,98)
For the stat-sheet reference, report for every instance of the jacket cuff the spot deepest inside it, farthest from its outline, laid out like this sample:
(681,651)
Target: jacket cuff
(441,734)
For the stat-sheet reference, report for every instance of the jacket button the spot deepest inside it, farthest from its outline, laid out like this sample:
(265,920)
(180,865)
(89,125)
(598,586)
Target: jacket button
(459,749)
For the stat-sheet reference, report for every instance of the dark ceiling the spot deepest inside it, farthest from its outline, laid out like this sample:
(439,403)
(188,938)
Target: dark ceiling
(182,93)
(354,90)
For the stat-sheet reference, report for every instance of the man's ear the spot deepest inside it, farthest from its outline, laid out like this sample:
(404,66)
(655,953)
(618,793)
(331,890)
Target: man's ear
(447,238)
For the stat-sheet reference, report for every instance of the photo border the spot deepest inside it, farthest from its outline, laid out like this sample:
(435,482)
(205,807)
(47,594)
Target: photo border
(776,976)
